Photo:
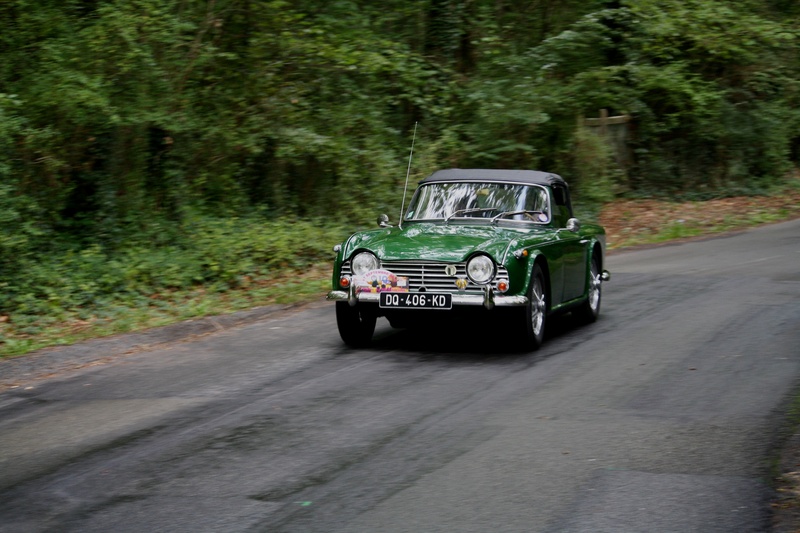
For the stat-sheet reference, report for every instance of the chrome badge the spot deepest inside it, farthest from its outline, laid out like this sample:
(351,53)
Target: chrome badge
(450,270)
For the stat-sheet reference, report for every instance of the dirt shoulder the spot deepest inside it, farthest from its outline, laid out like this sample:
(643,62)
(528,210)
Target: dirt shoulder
(637,222)
(786,505)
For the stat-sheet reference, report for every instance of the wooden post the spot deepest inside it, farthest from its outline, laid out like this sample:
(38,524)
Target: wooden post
(604,121)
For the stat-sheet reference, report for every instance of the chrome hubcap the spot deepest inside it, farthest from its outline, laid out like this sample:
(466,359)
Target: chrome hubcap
(537,308)
(594,288)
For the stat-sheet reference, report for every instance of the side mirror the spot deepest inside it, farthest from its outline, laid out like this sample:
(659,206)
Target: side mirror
(383,221)
(573,225)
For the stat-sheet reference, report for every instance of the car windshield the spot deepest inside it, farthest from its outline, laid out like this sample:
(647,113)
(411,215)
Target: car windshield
(492,201)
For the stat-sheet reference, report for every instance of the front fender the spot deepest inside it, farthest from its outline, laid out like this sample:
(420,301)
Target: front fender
(525,270)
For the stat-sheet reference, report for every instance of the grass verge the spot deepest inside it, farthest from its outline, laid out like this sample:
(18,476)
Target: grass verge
(169,308)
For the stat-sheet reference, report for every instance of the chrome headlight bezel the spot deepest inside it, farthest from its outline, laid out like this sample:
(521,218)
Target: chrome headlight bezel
(481,270)
(363,262)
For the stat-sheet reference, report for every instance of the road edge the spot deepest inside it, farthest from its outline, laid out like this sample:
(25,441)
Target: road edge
(23,370)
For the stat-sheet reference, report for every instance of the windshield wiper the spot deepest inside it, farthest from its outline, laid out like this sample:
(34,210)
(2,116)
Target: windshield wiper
(527,213)
(471,210)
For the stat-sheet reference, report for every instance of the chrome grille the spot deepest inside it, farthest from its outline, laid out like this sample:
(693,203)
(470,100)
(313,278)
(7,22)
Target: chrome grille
(430,275)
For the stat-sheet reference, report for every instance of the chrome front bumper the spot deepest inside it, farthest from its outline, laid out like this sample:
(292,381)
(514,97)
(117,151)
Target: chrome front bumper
(489,299)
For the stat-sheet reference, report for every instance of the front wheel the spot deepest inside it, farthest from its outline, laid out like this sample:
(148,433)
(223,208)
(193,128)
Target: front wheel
(535,311)
(356,323)
(590,309)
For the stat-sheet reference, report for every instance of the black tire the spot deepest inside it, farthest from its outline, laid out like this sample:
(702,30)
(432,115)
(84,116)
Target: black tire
(590,309)
(535,311)
(356,323)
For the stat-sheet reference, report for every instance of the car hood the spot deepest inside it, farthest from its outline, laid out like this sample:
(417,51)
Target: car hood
(438,242)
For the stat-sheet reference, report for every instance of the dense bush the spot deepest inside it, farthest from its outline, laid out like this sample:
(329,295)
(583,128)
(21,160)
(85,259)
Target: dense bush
(216,253)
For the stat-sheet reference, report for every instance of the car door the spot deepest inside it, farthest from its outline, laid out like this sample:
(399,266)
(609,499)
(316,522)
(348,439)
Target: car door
(573,248)
(574,265)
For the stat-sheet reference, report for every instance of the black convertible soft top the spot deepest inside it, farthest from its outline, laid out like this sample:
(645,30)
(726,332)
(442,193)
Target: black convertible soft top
(483,174)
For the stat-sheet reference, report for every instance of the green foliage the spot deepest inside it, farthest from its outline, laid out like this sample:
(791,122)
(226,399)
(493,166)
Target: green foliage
(126,110)
(216,253)
(691,74)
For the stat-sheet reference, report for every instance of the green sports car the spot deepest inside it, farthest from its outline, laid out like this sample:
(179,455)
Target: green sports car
(499,242)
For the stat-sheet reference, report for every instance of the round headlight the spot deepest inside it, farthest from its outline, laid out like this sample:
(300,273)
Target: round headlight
(363,263)
(480,269)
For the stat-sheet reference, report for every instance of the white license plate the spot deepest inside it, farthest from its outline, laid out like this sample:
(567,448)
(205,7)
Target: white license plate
(416,300)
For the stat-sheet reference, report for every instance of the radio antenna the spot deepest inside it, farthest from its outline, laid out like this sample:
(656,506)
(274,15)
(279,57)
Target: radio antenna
(408,173)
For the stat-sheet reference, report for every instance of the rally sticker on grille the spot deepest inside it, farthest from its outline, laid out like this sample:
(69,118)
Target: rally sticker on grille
(380,281)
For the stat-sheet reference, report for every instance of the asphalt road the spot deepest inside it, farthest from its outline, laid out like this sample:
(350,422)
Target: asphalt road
(662,416)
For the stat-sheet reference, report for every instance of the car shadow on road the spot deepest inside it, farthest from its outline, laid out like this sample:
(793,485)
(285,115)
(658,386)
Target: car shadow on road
(472,340)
